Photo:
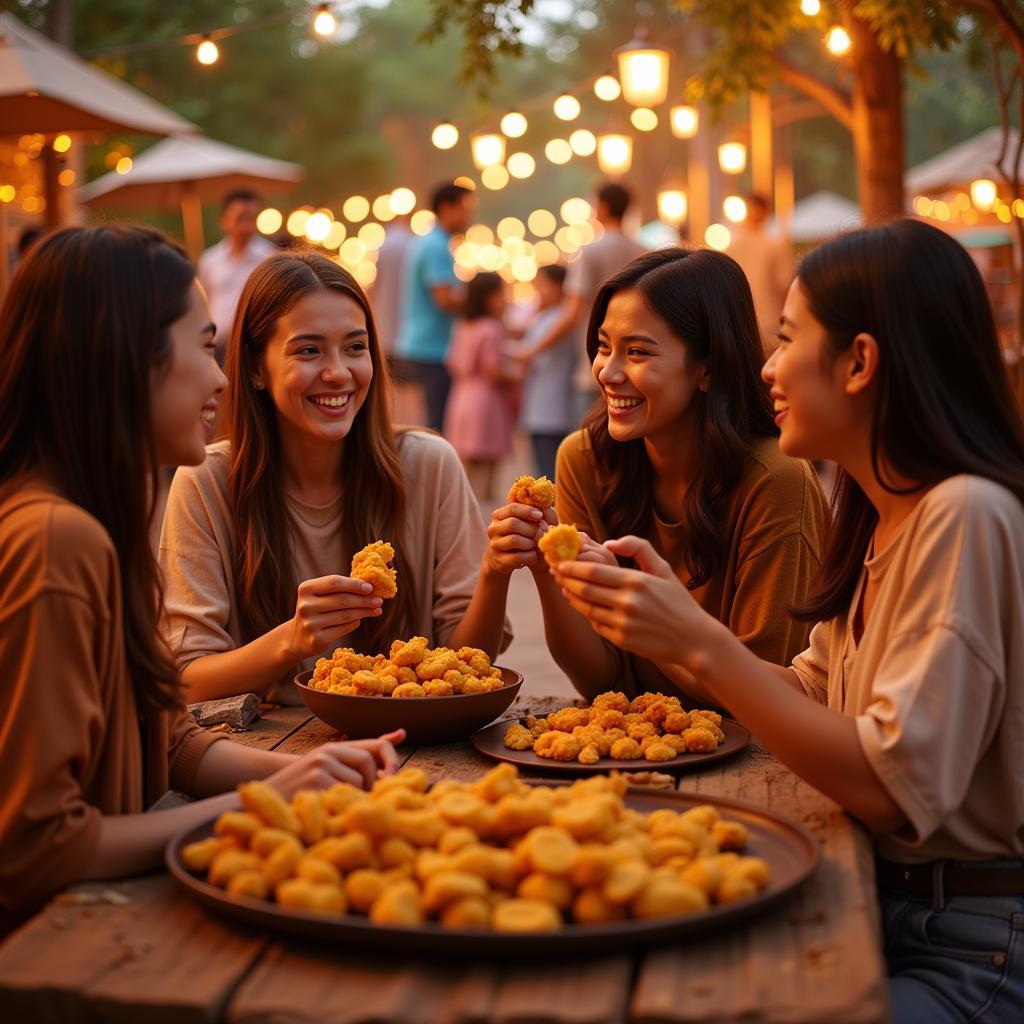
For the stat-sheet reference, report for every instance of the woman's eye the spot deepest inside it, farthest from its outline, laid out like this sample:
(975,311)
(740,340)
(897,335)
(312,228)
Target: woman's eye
(637,352)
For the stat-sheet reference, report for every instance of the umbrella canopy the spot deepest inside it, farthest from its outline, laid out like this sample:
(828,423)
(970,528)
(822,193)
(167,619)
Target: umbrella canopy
(821,215)
(956,168)
(46,88)
(203,167)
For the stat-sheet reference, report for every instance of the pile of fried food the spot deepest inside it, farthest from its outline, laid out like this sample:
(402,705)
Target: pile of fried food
(492,854)
(371,566)
(651,726)
(536,491)
(411,669)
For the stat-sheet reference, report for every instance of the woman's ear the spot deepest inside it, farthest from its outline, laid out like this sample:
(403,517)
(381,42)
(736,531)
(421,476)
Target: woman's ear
(705,381)
(862,365)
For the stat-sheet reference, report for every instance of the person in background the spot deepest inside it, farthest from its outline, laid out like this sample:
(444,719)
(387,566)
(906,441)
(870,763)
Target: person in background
(547,412)
(225,267)
(431,299)
(386,293)
(597,261)
(479,420)
(767,261)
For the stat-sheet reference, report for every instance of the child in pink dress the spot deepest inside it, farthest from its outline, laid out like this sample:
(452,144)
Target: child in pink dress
(479,417)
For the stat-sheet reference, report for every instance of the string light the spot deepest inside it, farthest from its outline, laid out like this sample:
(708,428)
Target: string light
(355,209)
(672,206)
(718,236)
(488,149)
(732,157)
(583,142)
(372,235)
(124,165)
(325,23)
(335,236)
(422,222)
(66,177)
(445,135)
(643,70)
(510,227)
(566,107)
(684,121)
(514,124)
(269,221)
(812,8)
(558,151)
(7,193)
(644,119)
(207,51)
(614,153)
(984,193)
(318,226)
(735,209)
(607,88)
(382,208)
(402,201)
(494,177)
(521,165)
(575,210)
(296,223)
(837,41)
(62,143)
(541,223)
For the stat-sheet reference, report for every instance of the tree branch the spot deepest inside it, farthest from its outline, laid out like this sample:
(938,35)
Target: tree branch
(1001,15)
(835,100)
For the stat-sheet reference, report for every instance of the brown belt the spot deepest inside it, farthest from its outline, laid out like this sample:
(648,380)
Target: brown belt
(943,878)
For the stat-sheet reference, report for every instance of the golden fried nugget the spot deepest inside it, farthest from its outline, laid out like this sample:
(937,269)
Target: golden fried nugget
(267,840)
(453,839)
(240,824)
(641,729)
(589,755)
(567,719)
(611,700)
(470,912)
(666,848)
(546,888)
(709,716)
(410,653)
(699,741)
(705,872)
(730,835)
(498,782)
(312,815)
(676,721)
(199,856)
(368,683)
(753,868)
(419,827)
(371,566)
(668,896)
(438,688)
(304,895)
(281,863)
(626,880)
(607,718)
(405,691)
(536,491)
(518,738)
(316,869)
(549,850)
(657,712)
(398,904)
(372,817)
(591,865)
(466,810)
(590,907)
(704,815)
(525,916)
(473,661)
(560,543)
(676,742)
(266,803)
(626,749)
(363,886)
(396,851)
(659,752)
(536,725)
(228,863)
(436,664)
(249,883)
(735,887)
(585,819)
(446,887)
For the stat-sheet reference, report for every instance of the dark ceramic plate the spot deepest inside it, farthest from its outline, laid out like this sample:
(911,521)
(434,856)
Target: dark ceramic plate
(791,852)
(427,721)
(491,743)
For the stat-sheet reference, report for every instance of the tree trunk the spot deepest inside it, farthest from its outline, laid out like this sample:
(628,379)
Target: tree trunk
(877,101)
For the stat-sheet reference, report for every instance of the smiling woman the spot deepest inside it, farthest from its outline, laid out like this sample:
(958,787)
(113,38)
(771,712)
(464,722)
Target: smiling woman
(683,452)
(257,542)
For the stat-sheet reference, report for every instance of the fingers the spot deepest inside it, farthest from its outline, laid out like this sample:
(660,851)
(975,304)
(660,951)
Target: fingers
(592,594)
(518,511)
(551,516)
(357,758)
(323,585)
(647,559)
(309,607)
(591,572)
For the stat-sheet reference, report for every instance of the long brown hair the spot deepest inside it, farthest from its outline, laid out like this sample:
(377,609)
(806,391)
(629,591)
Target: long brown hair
(705,299)
(84,331)
(373,493)
(944,404)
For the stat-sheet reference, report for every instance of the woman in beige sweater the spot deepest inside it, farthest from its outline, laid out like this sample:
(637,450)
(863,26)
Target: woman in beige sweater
(908,706)
(107,374)
(257,541)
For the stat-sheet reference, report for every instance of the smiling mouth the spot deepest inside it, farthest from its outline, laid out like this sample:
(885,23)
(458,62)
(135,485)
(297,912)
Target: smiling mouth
(780,406)
(331,401)
(622,403)
(208,416)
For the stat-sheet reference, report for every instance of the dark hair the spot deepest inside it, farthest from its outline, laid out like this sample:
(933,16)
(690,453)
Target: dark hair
(616,199)
(705,299)
(944,403)
(553,272)
(446,195)
(84,331)
(28,238)
(479,292)
(239,195)
(373,503)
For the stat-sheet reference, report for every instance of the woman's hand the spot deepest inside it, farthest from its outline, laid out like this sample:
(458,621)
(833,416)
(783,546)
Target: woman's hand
(357,762)
(594,552)
(328,608)
(645,610)
(512,538)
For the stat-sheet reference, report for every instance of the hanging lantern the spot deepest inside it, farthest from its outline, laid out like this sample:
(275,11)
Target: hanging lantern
(732,157)
(684,120)
(643,70)
(672,206)
(614,153)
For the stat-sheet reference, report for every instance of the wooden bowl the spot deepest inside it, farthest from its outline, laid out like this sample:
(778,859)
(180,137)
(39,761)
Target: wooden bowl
(427,721)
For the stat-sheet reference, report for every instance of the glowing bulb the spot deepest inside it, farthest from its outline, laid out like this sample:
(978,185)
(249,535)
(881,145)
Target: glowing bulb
(837,41)
(296,223)
(318,226)
(422,222)
(983,193)
(382,208)
(541,223)
(494,177)
(583,142)
(567,107)
(510,227)
(445,135)
(514,124)
(269,221)
(521,165)
(488,149)
(355,209)
(644,119)
(923,206)
(402,201)
(735,209)
(643,71)
(480,235)
(812,8)
(718,236)
(325,23)
(62,143)
(207,52)
(558,151)
(335,236)
(614,153)
(7,193)
(66,177)
(684,121)
(732,157)
(575,210)
(124,165)
(372,235)
(607,88)
(524,268)
(672,206)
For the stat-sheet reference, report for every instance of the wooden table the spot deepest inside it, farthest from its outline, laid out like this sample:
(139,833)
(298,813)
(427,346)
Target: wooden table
(147,953)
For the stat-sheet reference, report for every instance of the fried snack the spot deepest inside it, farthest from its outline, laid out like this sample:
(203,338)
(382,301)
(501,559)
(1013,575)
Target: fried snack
(561,543)
(371,566)
(518,737)
(494,854)
(536,491)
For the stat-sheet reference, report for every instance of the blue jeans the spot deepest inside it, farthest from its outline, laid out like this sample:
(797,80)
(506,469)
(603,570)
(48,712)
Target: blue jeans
(962,963)
(435,383)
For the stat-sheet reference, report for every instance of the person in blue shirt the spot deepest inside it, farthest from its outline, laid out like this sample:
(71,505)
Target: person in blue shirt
(432,298)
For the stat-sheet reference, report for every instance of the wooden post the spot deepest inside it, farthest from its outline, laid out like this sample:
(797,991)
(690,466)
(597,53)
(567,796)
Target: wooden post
(785,186)
(192,220)
(761,143)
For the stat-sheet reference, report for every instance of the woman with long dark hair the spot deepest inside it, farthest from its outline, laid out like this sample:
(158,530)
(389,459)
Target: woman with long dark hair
(107,374)
(889,364)
(682,451)
(257,542)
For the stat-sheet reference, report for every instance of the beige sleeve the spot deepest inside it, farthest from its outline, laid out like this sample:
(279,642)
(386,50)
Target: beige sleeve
(811,666)
(459,543)
(196,591)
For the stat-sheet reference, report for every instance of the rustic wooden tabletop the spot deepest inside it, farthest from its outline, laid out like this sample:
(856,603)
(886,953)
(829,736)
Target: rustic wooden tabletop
(141,950)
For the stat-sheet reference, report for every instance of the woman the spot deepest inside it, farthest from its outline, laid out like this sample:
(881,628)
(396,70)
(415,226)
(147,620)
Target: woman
(108,374)
(908,706)
(257,542)
(682,451)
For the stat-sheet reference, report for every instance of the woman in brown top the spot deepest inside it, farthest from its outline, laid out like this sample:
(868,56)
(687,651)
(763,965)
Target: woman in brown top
(907,708)
(683,452)
(257,542)
(107,374)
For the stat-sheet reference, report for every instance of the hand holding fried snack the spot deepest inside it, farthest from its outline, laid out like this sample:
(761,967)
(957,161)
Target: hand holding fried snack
(536,491)
(371,565)
(561,543)
(326,609)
